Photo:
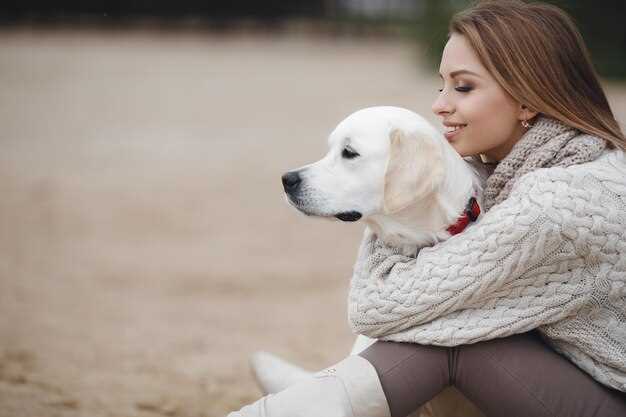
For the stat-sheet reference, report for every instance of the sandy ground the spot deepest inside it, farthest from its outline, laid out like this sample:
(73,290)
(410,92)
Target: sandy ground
(145,247)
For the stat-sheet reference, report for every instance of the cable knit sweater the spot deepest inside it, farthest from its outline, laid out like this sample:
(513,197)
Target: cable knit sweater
(550,255)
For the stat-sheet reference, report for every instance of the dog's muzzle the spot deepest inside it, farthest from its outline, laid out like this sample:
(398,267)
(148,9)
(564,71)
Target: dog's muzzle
(292,183)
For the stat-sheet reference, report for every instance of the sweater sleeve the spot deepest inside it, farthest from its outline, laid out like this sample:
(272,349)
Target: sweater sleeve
(513,271)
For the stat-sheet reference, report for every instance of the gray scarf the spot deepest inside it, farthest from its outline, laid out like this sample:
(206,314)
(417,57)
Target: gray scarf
(548,143)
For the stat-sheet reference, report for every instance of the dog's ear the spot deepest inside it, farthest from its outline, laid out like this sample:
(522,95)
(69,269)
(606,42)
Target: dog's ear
(414,170)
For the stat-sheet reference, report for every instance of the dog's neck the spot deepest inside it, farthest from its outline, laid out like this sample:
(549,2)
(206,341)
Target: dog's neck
(425,223)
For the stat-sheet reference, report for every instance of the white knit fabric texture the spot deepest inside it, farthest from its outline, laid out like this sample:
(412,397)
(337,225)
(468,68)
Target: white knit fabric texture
(551,256)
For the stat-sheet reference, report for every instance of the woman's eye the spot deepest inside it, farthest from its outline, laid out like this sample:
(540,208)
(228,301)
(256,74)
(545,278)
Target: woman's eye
(349,153)
(460,89)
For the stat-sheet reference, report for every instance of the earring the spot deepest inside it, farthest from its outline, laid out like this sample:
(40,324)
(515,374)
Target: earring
(525,124)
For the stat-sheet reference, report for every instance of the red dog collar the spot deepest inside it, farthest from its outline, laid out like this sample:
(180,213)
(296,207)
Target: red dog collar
(470,214)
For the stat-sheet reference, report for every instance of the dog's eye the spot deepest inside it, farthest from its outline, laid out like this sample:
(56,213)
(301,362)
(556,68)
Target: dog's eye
(349,153)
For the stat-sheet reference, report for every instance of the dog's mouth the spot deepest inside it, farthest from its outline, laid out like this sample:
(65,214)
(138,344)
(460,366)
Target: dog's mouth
(302,206)
(349,216)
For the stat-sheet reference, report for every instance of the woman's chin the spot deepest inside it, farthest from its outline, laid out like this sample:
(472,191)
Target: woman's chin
(460,149)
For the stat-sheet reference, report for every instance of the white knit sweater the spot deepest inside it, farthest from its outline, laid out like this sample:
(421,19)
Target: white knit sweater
(552,256)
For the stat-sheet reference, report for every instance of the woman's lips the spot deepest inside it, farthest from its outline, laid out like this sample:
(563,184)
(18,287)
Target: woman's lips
(452,131)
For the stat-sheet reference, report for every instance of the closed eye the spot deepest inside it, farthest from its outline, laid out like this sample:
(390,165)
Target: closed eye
(349,153)
(460,89)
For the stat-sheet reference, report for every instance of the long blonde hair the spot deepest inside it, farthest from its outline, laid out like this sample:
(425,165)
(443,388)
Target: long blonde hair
(538,56)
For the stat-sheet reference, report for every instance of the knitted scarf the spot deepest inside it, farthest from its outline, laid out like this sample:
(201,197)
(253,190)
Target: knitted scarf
(549,143)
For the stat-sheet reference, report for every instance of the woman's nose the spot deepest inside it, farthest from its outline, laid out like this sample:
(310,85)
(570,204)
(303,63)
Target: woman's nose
(441,105)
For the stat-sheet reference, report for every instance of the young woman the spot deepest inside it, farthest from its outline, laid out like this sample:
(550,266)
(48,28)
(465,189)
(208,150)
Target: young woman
(525,313)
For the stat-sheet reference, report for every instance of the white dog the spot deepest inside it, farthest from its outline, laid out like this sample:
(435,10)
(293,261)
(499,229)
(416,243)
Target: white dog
(390,168)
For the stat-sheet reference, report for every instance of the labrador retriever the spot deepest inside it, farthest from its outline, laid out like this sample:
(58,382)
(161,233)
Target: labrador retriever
(388,167)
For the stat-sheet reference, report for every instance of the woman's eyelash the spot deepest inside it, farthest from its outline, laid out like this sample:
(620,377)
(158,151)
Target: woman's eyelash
(462,89)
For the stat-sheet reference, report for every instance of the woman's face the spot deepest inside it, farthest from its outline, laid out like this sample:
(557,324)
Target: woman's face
(480,117)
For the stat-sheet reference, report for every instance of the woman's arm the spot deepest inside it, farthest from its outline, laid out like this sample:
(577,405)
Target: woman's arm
(516,266)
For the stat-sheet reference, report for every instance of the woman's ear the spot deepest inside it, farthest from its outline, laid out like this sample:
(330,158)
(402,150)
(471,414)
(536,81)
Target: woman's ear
(414,170)
(526,113)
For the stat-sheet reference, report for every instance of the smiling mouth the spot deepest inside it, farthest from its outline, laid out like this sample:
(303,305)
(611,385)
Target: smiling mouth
(452,131)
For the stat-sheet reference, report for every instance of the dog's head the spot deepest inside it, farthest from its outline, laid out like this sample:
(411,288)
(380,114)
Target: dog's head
(381,160)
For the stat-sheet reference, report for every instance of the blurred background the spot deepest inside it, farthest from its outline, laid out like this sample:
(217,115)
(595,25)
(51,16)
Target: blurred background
(146,249)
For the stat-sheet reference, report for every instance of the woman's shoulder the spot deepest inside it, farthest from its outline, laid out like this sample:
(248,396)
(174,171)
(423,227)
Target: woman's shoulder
(607,171)
(611,164)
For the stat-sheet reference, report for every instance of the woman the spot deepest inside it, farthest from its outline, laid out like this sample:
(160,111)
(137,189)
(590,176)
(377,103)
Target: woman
(525,313)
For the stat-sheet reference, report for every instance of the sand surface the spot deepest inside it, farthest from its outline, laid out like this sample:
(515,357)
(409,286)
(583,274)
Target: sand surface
(146,249)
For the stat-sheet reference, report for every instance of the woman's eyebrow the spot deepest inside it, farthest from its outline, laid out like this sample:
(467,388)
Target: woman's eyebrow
(461,71)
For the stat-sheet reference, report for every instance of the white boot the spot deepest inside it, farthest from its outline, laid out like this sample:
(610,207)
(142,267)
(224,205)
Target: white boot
(274,374)
(350,388)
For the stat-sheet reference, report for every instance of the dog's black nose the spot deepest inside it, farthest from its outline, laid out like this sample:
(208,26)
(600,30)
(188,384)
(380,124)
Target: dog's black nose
(291,180)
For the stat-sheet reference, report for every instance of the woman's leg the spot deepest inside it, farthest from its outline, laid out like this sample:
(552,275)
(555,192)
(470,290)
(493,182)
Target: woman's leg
(521,375)
(410,374)
(514,376)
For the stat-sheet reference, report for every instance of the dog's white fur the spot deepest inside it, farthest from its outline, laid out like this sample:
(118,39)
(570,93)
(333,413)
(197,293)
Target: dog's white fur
(407,183)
